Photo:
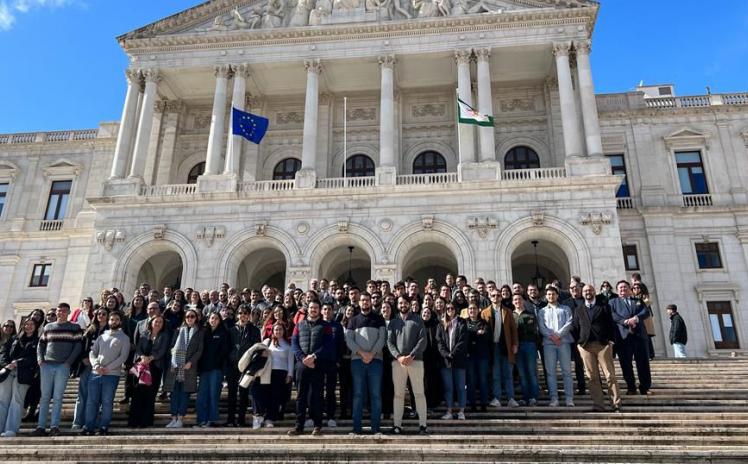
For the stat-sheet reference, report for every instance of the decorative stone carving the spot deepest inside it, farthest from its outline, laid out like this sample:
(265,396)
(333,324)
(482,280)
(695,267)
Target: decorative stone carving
(429,109)
(386,61)
(431,8)
(223,70)
(320,13)
(744,134)
(397,7)
(211,233)
(561,48)
(253,101)
(463,56)
(537,218)
(302,228)
(108,238)
(486,6)
(202,120)
(516,104)
(300,13)
(427,220)
(261,228)
(241,70)
(583,47)
(314,66)
(292,117)
(482,225)
(483,54)
(274,13)
(347,4)
(386,224)
(595,220)
(219,24)
(343,226)
(159,231)
(362,114)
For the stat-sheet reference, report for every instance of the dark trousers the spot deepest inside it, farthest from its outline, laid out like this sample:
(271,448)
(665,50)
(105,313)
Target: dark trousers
(232,380)
(143,403)
(330,379)
(346,387)
(260,397)
(277,394)
(636,348)
(578,369)
(388,388)
(311,381)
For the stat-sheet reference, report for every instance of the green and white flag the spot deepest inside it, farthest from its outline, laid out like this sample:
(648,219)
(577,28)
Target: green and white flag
(468,115)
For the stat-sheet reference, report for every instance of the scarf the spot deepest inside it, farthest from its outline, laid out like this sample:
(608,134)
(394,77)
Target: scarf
(179,352)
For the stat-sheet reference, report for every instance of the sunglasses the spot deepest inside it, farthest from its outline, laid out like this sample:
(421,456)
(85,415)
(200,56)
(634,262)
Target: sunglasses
(190,317)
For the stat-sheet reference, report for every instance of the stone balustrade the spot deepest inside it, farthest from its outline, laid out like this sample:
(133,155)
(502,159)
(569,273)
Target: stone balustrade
(51,226)
(267,186)
(168,190)
(636,100)
(48,137)
(346,182)
(625,203)
(427,179)
(533,174)
(697,200)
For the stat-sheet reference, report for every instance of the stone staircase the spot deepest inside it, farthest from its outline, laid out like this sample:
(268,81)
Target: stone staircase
(698,413)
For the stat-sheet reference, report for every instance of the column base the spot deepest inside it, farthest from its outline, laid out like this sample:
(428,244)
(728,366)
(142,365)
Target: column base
(122,187)
(305,179)
(485,170)
(217,183)
(386,175)
(585,166)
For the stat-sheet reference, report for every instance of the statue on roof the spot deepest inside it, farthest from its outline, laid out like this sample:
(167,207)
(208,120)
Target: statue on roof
(300,14)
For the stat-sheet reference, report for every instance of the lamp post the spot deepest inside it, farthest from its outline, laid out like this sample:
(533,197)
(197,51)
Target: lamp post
(538,277)
(350,281)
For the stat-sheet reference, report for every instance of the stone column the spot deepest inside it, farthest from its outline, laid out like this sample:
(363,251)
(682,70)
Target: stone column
(485,105)
(152,78)
(306,177)
(386,171)
(127,125)
(467,131)
(234,145)
(213,164)
(569,118)
(168,144)
(151,160)
(589,103)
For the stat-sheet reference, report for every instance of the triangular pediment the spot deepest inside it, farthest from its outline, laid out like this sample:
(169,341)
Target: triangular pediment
(221,16)
(686,137)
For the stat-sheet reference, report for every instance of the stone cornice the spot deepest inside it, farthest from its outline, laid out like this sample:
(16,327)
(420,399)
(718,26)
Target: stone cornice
(521,19)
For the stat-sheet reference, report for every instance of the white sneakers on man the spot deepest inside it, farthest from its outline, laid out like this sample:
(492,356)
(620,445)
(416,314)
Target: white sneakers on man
(512,403)
(495,403)
(256,422)
(331,423)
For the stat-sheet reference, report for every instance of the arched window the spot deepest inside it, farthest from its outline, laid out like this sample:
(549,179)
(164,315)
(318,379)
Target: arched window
(429,162)
(286,169)
(359,166)
(196,172)
(521,158)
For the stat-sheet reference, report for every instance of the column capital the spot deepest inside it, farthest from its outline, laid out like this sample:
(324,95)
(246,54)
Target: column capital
(561,49)
(152,75)
(222,71)
(463,56)
(160,106)
(583,47)
(240,70)
(386,61)
(132,76)
(313,66)
(483,54)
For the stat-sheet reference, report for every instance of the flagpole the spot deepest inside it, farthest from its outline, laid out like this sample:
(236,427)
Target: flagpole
(457,126)
(345,137)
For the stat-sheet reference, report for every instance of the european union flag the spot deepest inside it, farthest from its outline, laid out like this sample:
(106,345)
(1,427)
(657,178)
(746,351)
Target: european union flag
(248,125)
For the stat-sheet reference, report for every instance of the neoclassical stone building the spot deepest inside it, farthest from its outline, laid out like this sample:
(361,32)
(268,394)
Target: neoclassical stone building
(364,170)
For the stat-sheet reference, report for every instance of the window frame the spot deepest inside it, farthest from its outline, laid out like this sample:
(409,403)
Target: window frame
(636,257)
(697,243)
(367,171)
(43,267)
(528,162)
(712,310)
(59,215)
(433,168)
(196,166)
(624,167)
(284,175)
(690,166)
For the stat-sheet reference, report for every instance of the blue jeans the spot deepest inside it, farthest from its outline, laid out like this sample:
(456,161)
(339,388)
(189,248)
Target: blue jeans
(477,377)
(208,394)
(454,380)
(679,350)
(367,377)
(527,364)
(79,417)
(54,379)
(101,390)
(562,354)
(12,395)
(502,374)
(178,404)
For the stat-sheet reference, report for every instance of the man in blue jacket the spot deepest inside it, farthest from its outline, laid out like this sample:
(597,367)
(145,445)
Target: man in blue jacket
(631,338)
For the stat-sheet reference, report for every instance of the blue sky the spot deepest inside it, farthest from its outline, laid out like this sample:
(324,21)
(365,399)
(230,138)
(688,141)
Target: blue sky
(63,69)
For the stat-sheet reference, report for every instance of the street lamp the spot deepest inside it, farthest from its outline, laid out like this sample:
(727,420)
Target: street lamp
(538,277)
(350,280)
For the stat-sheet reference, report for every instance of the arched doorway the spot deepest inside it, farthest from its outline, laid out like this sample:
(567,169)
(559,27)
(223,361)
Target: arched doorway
(338,261)
(260,267)
(429,260)
(161,270)
(552,263)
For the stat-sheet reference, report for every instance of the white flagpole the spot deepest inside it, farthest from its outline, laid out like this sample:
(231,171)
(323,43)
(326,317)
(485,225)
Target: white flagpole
(457,126)
(345,137)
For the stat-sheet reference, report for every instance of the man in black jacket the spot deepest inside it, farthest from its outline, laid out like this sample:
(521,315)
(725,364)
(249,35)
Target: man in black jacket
(678,332)
(594,329)
(243,336)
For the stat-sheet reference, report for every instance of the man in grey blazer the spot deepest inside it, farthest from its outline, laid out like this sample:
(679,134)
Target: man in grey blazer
(631,338)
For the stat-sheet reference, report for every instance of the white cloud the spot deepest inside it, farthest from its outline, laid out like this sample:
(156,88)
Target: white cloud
(9,9)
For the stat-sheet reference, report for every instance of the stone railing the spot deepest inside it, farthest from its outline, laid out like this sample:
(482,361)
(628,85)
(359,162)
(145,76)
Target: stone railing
(427,179)
(346,182)
(267,186)
(533,174)
(52,137)
(625,203)
(698,101)
(168,190)
(49,226)
(697,200)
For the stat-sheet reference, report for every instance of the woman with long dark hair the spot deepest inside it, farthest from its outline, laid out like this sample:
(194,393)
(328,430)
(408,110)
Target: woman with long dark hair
(216,349)
(431,362)
(174,315)
(452,340)
(151,352)
(281,375)
(20,361)
(181,378)
(478,357)
(83,370)
(639,290)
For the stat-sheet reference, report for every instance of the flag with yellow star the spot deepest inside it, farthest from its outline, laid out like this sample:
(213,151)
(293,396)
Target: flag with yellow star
(250,126)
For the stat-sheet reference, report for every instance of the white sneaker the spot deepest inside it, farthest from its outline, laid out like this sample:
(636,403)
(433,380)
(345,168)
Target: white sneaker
(533,402)
(269,424)
(332,424)
(460,416)
(170,425)
(75,428)
(553,404)
(308,424)
(447,416)
(495,403)
(8,434)
(256,422)
(569,404)
(512,403)
(178,424)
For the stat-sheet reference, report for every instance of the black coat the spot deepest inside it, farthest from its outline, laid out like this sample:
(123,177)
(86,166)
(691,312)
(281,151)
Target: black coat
(600,328)
(479,345)
(216,349)
(455,358)
(242,339)
(678,332)
(23,352)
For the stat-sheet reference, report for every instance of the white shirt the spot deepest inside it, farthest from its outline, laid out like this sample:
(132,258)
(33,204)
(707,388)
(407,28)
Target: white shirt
(281,355)
(499,322)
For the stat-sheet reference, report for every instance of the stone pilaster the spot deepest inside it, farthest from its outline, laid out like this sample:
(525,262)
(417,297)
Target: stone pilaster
(306,177)
(589,102)
(386,171)
(213,164)
(235,142)
(145,125)
(569,117)
(123,148)
(485,105)
(466,131)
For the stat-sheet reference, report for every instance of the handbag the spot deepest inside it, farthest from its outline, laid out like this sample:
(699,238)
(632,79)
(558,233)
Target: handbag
(143,373)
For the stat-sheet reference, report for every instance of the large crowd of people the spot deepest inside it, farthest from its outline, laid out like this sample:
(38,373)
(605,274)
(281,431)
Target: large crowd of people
(451,343)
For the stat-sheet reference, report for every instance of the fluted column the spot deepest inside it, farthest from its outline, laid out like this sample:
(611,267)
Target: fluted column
(485,105)
(234,145)
(589,103)
(213,164)
(387,112)
(569,118)
(306,177)
(152,78)
(467,131)
(127,125)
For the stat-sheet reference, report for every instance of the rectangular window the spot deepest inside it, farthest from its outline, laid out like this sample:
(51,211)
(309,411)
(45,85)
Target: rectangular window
(708,256)
(3,195)
(40,275)
(59,196)
(722,325)
(630,258)
(619,169)
(691,173)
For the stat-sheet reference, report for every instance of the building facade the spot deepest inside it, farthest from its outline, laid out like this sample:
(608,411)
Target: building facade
(365,172)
